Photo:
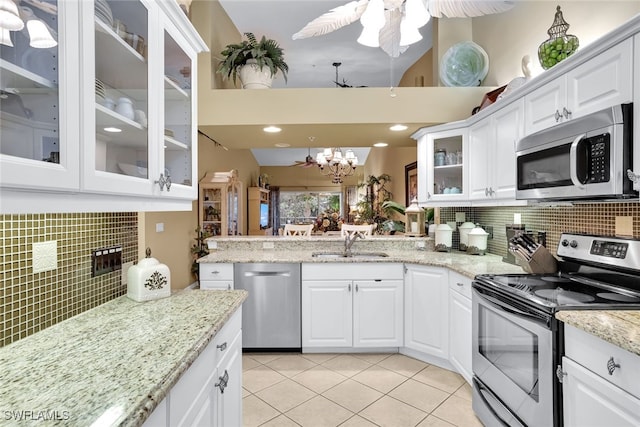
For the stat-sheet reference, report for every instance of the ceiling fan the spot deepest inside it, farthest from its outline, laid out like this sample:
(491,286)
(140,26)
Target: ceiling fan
(393,25)
(308,162)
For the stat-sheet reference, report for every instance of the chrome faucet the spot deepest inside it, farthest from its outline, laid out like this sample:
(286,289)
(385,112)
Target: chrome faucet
(348,242)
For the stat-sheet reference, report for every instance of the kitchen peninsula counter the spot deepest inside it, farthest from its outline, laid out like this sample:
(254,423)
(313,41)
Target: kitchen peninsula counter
(110,365)
(399,249)
(618,327)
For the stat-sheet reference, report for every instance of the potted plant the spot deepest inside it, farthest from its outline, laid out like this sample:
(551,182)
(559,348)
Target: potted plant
(252,59)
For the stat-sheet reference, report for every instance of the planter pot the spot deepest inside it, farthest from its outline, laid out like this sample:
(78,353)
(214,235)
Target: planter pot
(252,77)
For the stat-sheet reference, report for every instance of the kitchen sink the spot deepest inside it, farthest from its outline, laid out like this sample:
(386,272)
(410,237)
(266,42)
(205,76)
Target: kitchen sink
(357,255)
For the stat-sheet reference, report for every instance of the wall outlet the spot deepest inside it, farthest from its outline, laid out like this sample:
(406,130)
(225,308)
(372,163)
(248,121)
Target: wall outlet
(267,245)
(45,256)
(212,244)
(160,227)
(125,270)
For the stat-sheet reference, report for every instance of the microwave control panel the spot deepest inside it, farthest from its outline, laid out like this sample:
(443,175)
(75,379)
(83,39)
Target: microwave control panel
(598,158)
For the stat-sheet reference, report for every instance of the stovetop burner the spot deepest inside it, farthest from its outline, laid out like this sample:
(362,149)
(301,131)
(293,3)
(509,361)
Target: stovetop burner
(563,297)
(618,297)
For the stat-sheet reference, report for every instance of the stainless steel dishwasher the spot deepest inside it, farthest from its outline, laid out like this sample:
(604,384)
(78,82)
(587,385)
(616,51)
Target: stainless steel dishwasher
(271,313)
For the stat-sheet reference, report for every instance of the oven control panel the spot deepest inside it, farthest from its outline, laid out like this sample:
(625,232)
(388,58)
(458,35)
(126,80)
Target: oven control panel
(611,251)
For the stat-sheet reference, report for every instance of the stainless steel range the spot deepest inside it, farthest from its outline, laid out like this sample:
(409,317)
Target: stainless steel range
(518,343)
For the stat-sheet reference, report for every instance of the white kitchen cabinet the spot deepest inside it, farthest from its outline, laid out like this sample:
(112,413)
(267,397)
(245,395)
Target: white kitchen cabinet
(600,382)
(427,310)
(443,183)
(40,92)
(215,276)
(378,313)
(492,159)
(353,305)
(460,324)
(209,392)
(600,82)
(103,156)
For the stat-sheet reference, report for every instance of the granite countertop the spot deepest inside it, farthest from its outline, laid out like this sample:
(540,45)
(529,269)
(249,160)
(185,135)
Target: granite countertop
(113,364)
(619,327)
(467,265)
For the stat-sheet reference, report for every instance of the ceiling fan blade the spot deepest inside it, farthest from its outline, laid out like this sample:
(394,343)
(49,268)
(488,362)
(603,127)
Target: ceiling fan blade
(333,20)
(467,8)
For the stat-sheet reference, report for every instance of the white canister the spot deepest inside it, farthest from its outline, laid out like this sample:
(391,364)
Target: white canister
(477,241)
(464,229)
(444,235)
(148,280)
(125,108)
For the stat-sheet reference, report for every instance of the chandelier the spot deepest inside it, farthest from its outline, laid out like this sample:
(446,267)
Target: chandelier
(333,164)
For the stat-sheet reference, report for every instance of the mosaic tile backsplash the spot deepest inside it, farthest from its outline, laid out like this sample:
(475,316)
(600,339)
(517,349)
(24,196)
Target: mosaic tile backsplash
(32,301)
(589,218)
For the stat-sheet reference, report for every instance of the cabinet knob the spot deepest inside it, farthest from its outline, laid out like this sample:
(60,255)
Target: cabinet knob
(558,116)
(229,287)
(460,284)
(486,191)
(349,287)
(356,287)
(611,365)
(566,113)
(222,347)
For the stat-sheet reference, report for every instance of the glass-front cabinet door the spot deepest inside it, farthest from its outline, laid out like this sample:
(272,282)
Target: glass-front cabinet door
(179,131)
(443,166)
(118,104)
(38,148)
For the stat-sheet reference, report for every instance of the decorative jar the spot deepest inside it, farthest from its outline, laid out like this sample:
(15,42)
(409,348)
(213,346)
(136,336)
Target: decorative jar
(559,45)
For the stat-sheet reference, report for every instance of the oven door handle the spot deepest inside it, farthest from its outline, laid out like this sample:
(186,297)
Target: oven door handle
(482,390)
(502,306)
(573,159)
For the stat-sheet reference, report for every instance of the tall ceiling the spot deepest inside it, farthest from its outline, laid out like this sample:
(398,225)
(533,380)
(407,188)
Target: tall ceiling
(311,60)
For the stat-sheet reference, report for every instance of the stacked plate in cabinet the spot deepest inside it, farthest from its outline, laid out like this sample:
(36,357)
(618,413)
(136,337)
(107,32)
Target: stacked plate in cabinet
(101,92)
(103,12)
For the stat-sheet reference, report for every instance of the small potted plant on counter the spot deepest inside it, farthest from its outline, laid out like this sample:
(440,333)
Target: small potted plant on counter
(255,62)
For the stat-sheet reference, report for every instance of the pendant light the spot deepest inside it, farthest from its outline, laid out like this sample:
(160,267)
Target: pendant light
(9,16)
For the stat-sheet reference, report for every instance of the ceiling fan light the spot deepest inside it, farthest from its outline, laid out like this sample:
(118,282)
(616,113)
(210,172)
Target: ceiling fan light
(370,37)
(409,33)
(321,159)
(9,16)
(373,15)
(416,12)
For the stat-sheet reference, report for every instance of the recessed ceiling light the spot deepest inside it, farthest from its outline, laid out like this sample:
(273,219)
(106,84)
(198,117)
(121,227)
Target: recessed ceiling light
(112,129)
(398,128)
(282,145)
(380,144)
(272,129)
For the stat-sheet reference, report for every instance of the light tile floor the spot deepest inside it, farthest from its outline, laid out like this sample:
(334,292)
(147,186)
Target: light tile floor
(327,390)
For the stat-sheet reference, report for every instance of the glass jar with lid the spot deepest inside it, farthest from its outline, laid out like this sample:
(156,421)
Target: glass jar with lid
(440,157)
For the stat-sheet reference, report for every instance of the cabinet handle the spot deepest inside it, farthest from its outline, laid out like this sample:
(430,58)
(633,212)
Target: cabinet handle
(558,116)
(224,380)
(215,272)
(611,365)
(222,347)
(349,287)
(229,287)
(560,374)
(356,287)
(460,284)
(491,192)
(164,181)
(428,195)
(566,113)
(486,191)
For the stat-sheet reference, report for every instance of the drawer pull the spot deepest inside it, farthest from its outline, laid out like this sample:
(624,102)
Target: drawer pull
(558,116)
(460,284)
(224,380)
(611,365)
(215,272)
(349,288)
(222,346)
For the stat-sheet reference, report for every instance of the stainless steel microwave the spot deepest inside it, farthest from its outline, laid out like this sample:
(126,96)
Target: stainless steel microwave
(583,159)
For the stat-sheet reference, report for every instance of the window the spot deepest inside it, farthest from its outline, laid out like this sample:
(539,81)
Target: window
(303,207)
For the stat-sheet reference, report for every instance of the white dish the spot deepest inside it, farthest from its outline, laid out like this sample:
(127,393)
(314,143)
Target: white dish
(133,170)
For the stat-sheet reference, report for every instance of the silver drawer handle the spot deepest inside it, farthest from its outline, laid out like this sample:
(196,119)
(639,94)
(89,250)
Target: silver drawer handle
(611,365)
(215,272)
(557,115)
(566,113)
(224,381)
(222,347)
(460,284)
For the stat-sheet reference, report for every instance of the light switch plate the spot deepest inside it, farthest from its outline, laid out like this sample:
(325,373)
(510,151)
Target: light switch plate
(45,256)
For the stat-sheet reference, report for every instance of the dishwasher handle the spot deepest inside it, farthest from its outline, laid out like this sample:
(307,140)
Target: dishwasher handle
(267,273)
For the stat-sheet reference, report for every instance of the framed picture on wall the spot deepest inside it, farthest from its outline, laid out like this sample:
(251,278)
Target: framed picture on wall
(410,182)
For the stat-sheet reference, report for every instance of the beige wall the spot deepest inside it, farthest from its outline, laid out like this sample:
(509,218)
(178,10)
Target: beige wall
(509,36)
(420,73)
(173,245)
